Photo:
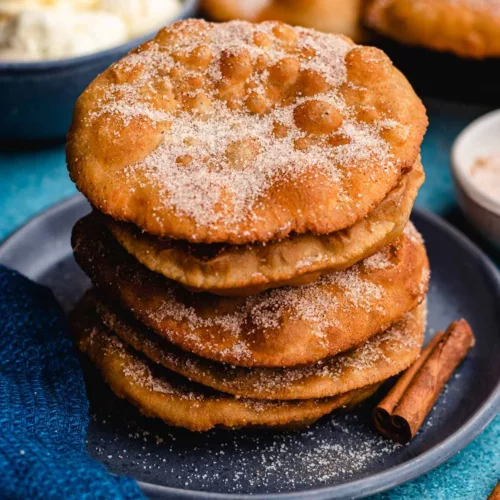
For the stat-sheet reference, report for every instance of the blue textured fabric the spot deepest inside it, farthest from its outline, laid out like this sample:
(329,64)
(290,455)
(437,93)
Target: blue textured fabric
(43,405)
(34,180)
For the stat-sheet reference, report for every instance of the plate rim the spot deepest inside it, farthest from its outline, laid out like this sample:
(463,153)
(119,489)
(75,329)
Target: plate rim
(358,488)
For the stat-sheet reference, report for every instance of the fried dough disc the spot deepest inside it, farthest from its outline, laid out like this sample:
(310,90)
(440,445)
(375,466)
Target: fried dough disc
(239,133)
(468,28)
(331,16)
(161,394)
(381,357)
(297,260)
(280,327)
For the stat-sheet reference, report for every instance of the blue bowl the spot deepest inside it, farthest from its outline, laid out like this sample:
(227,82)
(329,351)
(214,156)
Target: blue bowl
(37,98)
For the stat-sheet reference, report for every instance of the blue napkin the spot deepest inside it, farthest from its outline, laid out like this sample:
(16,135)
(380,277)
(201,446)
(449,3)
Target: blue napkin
(43,405)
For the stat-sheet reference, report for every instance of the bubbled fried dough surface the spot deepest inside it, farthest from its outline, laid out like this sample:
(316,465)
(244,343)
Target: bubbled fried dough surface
(381,357)
(332,16)
(239,133)
(468,28)
(296,260)
(161,394)
(279,327)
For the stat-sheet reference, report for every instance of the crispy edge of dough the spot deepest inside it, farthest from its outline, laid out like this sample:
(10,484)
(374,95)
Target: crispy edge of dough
(186,407)
(297,260)
(251,382)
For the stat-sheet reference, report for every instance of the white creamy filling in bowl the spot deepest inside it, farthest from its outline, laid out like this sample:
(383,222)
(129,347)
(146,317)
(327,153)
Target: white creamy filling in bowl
(32,30)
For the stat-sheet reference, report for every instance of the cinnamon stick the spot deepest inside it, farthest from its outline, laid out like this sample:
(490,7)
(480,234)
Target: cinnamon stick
(402,412)
(495,494)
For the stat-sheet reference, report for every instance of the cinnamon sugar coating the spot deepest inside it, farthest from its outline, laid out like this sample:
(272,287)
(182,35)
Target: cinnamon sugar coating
(279,327)
(296,260)
(331,16)
(241,132)
(161,394)
(468,28)
(381,357)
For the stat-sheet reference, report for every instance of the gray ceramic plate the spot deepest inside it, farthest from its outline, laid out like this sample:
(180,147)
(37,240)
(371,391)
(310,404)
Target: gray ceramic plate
(339,457)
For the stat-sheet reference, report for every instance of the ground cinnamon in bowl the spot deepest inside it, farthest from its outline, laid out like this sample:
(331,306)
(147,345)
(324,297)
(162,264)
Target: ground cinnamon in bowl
(485,175)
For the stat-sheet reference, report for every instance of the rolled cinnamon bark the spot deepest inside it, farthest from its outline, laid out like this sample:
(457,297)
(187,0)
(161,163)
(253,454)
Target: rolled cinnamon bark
(495,494)
(402,412)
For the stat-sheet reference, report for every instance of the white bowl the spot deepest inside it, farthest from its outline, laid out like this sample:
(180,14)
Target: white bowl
(479,139)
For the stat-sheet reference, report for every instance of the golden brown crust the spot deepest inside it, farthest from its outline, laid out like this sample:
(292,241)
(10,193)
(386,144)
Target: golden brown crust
(161,394)
(297,260)
(331,16)
(468,28)
(381,357)
(240,133)
(280,327)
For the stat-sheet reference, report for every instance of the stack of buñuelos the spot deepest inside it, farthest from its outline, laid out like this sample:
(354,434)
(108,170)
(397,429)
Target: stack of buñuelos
(250,250)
